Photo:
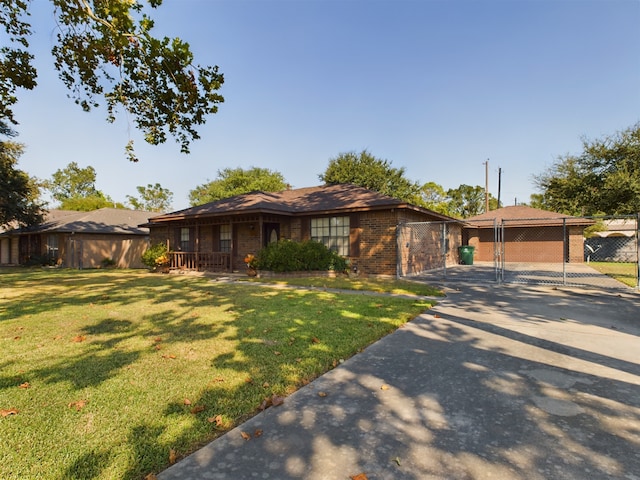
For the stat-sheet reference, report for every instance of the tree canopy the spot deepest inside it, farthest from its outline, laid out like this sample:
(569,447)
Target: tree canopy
(75,188)
(236,181)
(18,192)
(105,52)
(152,198)
(603,179)
(367,171)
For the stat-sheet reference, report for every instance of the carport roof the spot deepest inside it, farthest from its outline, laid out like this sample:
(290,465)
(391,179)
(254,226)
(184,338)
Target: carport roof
(524,216)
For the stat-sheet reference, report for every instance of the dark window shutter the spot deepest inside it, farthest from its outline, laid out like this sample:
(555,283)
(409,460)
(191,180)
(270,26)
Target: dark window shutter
(354,235)
(305,229)
(216,238)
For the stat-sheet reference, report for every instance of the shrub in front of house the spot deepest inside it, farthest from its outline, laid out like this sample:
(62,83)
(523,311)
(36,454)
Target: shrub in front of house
(155,256)
(289,256)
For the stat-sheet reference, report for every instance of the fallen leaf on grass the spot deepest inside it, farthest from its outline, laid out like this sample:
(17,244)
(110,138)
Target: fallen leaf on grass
(79,338)
(151,476)
(272,401)
(79,405)
(315,340)
(24,385)
(187,401)
(217,420)
(245,435)
(17,338)
(198,409)
(172,456)
(172,357)
(277,353)
(11,411)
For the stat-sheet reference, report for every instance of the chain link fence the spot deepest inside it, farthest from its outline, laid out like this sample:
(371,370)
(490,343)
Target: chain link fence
(598,252)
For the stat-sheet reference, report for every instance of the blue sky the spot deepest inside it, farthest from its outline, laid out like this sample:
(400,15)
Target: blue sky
(434,87)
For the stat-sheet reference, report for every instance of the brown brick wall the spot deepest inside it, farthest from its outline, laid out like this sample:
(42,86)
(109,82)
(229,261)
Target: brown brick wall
(529,244)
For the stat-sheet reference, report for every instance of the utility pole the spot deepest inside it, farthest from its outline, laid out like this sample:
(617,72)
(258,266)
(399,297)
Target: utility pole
(486,185)
(499,184)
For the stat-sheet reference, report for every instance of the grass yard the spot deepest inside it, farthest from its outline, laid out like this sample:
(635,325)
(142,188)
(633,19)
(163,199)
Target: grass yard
(115,374)
(623,272)
(398,287)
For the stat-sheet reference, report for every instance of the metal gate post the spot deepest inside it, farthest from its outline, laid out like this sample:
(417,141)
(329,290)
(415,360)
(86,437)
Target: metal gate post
(444,244)
(496,252)
(565,252)
(398,252)
(638,251)
(502,252)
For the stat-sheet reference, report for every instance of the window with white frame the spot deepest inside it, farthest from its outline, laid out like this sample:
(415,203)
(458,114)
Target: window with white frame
(185,244)
(52,247)
(225,238)
(333,232)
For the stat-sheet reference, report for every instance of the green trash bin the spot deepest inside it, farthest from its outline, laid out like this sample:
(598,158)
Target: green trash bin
(466,254)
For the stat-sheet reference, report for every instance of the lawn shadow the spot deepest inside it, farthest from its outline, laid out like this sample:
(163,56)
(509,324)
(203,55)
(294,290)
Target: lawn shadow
(446,397)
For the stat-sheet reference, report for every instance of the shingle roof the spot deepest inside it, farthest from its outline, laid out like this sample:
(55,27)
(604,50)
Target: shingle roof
(522,215)
(104,220)
(315,200)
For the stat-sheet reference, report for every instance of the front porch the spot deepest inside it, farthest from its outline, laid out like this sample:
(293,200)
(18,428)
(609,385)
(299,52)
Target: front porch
(200,261)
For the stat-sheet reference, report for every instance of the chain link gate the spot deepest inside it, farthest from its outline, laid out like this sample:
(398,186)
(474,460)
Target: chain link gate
(598,252)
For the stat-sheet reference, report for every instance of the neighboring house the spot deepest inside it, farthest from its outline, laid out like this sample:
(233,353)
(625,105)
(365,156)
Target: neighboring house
(525,234)
(359,224)
(617,243)
(79,239)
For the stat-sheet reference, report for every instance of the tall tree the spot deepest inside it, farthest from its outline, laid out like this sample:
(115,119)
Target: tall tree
(75,188)
(90,202)
(105,50)
(434,197)
(603,179)
(72,181)
(236,181)
(467,201)
(152,198)
(367,171)
(18,192)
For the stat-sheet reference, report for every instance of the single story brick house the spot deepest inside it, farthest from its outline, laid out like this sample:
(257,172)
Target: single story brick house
(79,239)
(358,223)
(525,234)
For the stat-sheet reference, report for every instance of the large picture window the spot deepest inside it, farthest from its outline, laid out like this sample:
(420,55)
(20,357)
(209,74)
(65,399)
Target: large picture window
(333,232)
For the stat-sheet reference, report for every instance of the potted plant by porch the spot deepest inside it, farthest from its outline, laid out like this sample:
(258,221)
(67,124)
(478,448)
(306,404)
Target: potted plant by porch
(250,261)
(157,258)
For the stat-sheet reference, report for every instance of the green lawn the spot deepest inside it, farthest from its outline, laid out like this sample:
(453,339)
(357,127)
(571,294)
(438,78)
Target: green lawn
(109,373)
(623,272)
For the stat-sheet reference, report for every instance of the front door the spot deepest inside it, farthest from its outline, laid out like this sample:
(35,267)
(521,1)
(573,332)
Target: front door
(271,233)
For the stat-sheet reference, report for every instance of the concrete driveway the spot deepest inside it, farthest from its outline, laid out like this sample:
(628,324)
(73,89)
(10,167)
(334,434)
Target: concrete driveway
(500,382)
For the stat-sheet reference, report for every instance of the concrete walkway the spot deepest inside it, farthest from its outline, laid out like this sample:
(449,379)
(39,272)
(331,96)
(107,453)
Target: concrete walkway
(495,382)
